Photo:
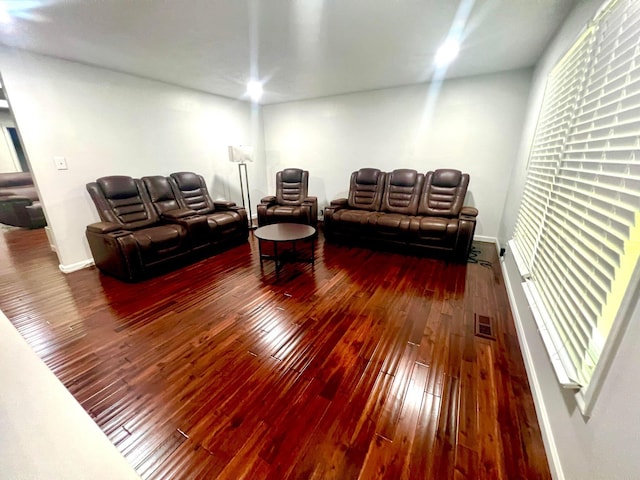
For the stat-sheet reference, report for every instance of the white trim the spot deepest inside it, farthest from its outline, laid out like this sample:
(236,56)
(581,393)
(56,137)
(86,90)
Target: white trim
(494,240)
(74,267)
(562,366)
(483,238)
(543,417)
(586,398)
(523,269)
(51,238)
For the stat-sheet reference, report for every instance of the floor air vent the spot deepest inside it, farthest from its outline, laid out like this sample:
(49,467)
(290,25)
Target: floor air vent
(484,327)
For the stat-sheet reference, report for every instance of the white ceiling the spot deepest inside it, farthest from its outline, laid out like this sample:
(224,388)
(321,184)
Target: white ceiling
(299,48)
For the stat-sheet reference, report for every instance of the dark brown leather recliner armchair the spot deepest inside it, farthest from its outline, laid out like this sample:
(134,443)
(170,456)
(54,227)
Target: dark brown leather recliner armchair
(291,202)
(131,242)
(19,202)
(226,221)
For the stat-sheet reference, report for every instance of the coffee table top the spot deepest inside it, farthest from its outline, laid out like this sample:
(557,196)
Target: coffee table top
(284,232)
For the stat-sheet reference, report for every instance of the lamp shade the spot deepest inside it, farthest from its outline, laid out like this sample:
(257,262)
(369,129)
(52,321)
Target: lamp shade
(240,153)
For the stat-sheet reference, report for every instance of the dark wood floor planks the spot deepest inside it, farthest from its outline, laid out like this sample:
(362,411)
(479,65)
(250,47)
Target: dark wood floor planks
(363,366)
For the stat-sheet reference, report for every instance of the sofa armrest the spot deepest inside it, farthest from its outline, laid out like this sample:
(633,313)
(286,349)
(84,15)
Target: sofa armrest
(224,205)
(339,203)
(469,212)
(178,213)
(311,203)
(105,227)
(17,200)
(466,230)
(269,200)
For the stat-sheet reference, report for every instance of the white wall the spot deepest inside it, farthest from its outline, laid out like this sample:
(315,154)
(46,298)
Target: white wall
(605,445)
(474,125)
(107,123)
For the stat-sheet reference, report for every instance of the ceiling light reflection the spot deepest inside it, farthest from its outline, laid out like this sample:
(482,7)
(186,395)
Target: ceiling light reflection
(447,52)
(254,90)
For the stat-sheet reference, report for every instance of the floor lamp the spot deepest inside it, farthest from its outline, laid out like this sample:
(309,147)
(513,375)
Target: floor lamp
(241,154)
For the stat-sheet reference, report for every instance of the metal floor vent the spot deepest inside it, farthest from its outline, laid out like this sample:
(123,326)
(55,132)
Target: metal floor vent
(484,327)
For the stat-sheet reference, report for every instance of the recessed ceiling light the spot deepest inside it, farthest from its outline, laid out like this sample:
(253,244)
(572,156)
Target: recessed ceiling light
(254,90)
(447,52)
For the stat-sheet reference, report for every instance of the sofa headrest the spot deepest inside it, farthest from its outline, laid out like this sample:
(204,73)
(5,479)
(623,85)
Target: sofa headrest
(292,175)
(158,187)
(367,176)
(15,179)
(446,177)
(118,186)
(186,180)
(403,177)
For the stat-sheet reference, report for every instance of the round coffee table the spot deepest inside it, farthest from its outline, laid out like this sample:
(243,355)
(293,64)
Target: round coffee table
(285,232)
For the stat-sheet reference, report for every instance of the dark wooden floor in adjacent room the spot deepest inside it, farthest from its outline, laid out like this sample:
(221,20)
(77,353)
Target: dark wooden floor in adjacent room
(365,366)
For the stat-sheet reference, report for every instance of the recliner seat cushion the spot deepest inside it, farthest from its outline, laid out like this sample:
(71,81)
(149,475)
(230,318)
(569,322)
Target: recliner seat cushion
(222,223)
(156,243)
(433,228)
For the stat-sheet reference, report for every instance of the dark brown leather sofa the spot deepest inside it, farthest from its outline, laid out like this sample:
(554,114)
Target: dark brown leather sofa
(291,202)
(145,229)
(19,202)
(405,208)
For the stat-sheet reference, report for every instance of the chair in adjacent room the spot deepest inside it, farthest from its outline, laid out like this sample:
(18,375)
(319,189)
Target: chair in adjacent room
(291,203)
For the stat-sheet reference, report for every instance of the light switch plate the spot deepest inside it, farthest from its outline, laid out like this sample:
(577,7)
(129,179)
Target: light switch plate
(61,163)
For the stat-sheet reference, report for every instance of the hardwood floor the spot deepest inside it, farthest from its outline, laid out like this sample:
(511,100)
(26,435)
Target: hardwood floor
(365,365)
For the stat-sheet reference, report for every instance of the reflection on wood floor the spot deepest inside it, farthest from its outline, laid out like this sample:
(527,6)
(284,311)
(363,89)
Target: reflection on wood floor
(365,365)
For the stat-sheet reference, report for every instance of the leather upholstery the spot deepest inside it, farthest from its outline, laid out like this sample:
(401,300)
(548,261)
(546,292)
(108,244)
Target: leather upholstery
(291,202)
(192,192)
(407,208)
(365,190)
(291,186)
(138,242)
(443,193)
(19,202)
(145,228)
(402,191)
(227,222)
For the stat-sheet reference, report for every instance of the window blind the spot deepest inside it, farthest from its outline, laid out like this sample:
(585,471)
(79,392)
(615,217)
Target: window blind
(578,230)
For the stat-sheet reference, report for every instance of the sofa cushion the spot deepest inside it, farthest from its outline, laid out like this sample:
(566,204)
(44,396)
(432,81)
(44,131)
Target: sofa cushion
(365,191)
(118,186)
(191,192)
(156,243)
(433,228)
(402,192)
(15,179)
(390,223)
(443,193)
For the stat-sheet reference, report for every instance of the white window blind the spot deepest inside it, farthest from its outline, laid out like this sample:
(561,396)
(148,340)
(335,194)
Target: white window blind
(578,230)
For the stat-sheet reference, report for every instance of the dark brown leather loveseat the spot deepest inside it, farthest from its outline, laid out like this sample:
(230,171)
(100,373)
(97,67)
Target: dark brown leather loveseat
(148,226)
(405,208)
(19,202)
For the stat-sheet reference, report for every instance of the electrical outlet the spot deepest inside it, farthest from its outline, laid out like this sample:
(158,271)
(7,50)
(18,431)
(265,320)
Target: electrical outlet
(61,163)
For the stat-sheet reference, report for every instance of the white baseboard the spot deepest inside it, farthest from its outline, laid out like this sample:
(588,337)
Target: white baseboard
(494,240)
(51,238)
(545,424)
(74,267)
